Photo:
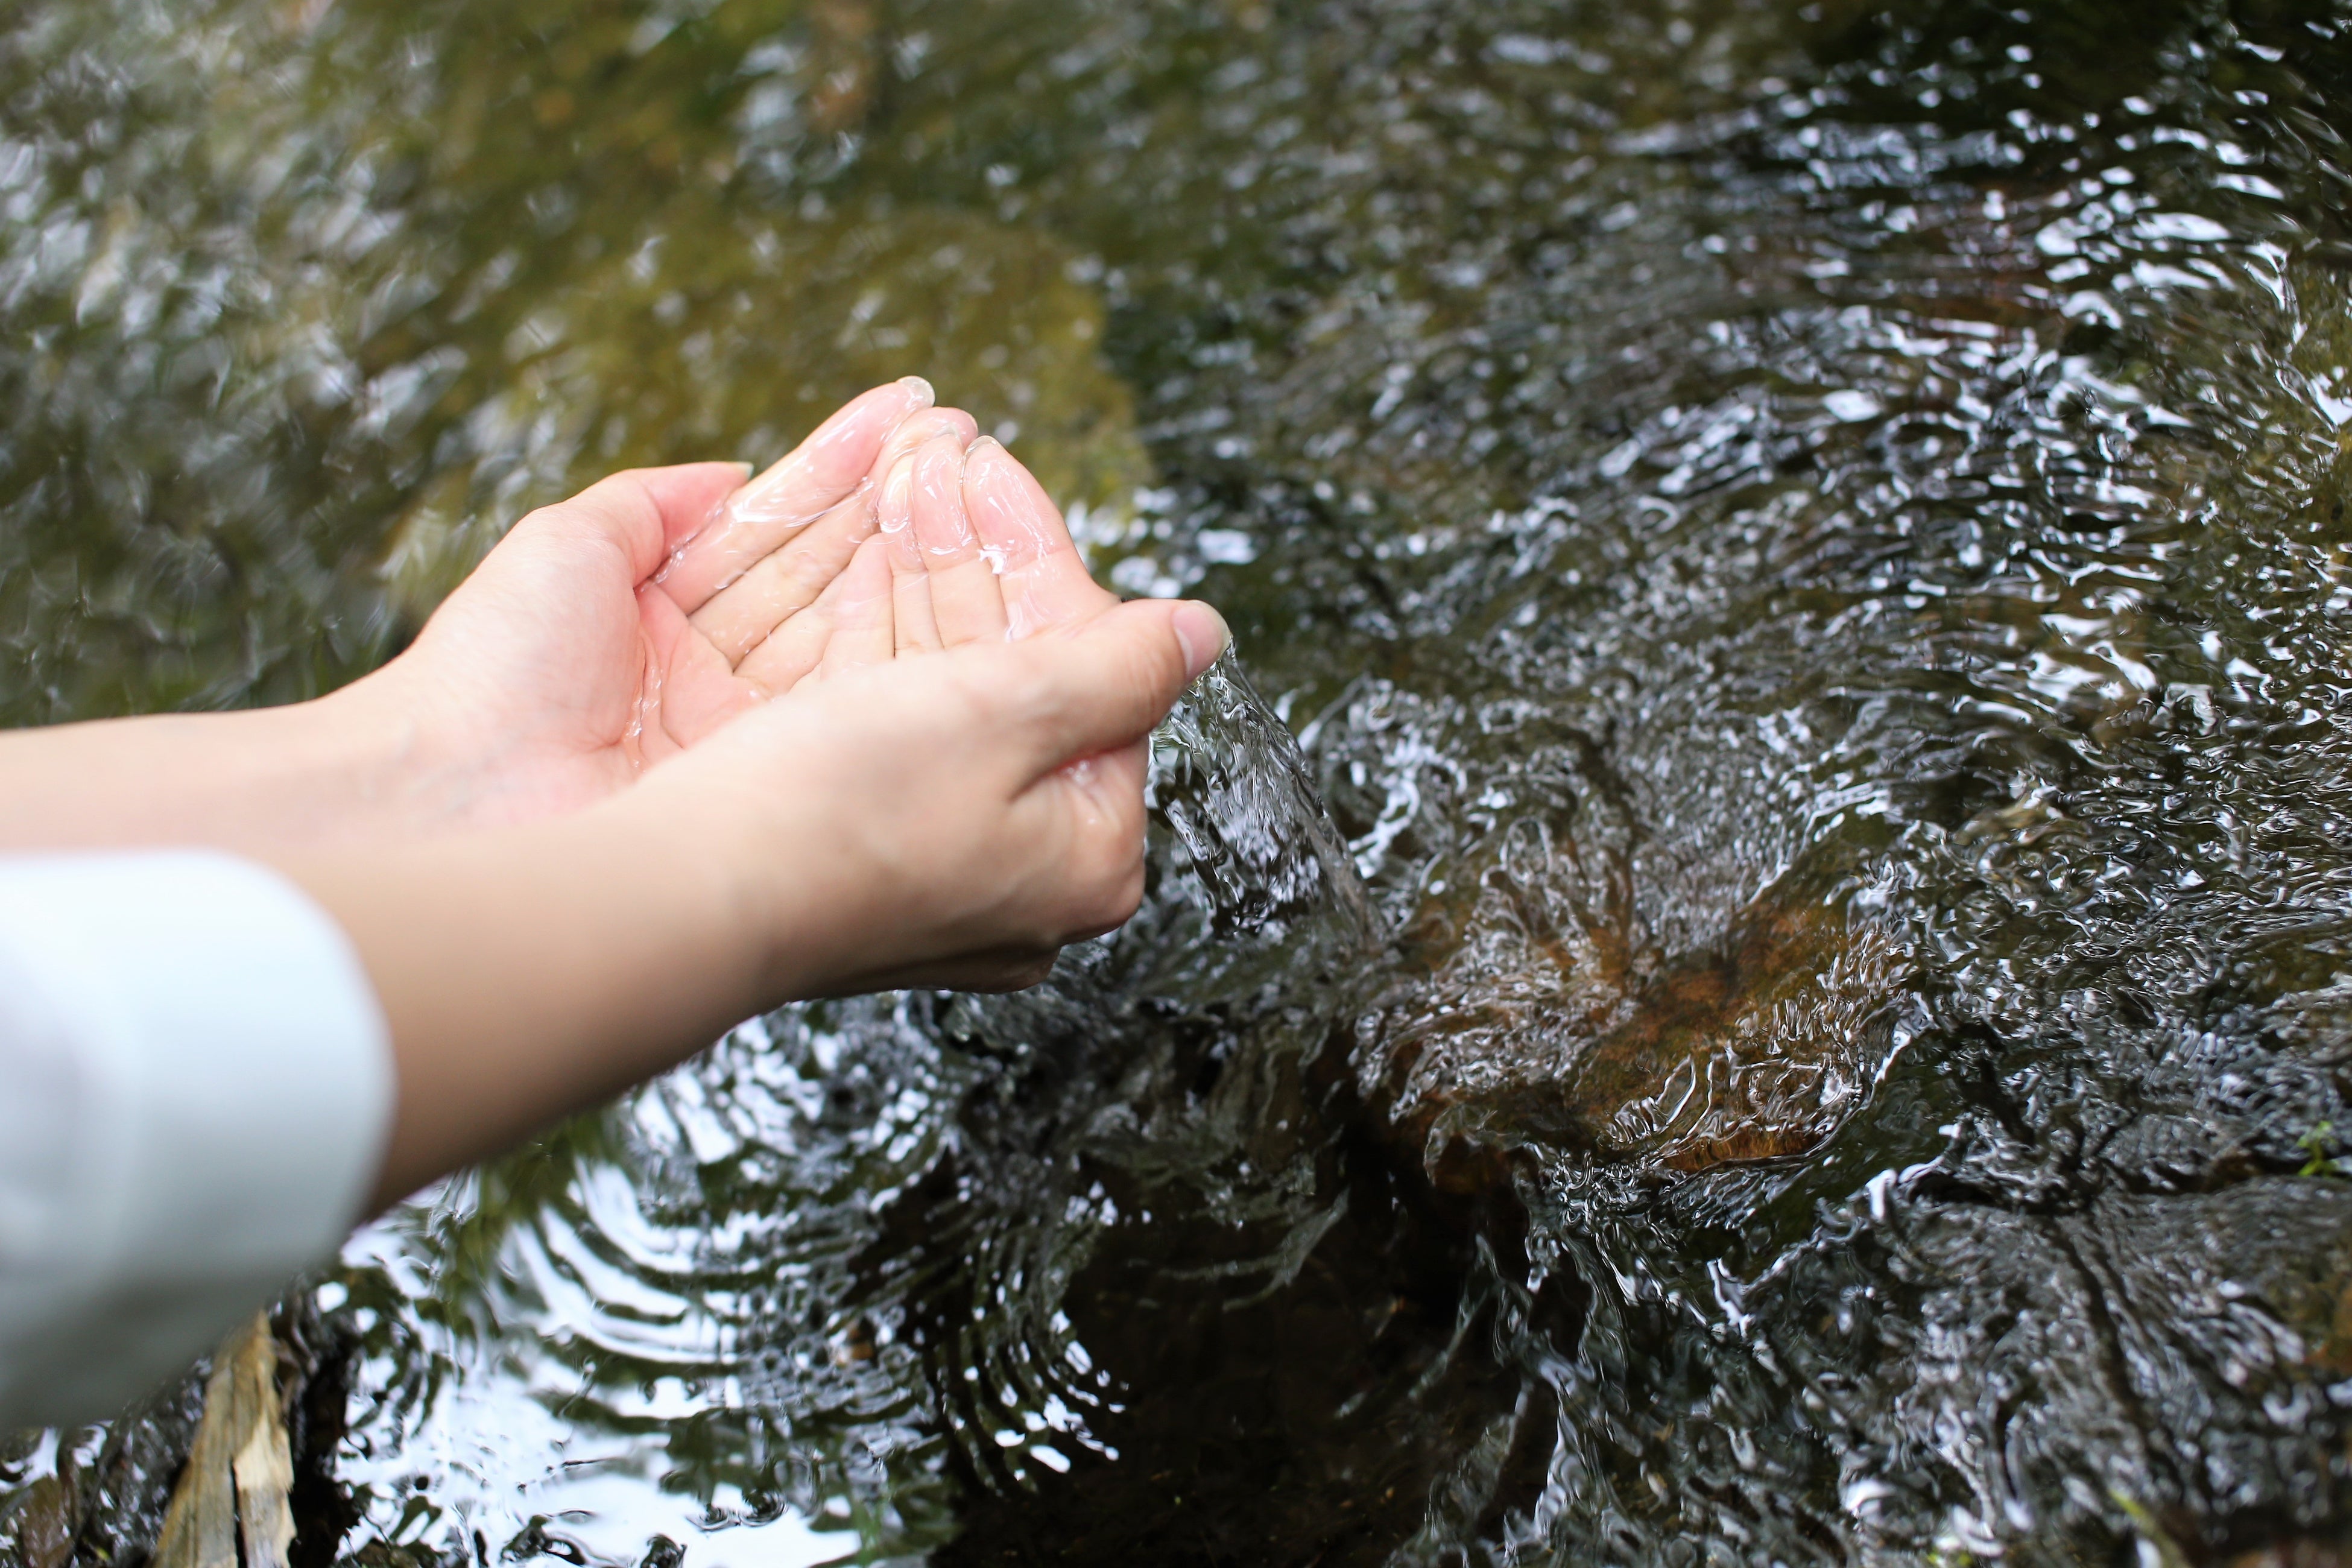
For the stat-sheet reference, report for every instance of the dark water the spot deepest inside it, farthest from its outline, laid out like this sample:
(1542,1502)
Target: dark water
(1792,1001)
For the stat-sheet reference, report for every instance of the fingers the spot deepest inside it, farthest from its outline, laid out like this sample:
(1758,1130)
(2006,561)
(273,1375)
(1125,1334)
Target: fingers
(1103,687)
(846,628)
(920,427)
(861,614)
(1108,788)
(789,496)
(1098,802)
(967,605)
(915,629)
(788,580)
(1008,523)
(1041,579)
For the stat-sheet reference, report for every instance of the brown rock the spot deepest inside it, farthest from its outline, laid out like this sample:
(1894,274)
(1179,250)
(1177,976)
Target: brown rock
(1751,1046)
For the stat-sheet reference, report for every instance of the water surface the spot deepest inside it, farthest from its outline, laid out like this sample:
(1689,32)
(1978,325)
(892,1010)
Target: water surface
(1765,974)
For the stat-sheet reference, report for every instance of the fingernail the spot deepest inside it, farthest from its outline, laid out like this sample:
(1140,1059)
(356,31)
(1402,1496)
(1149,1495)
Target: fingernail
(748,468)
(1204,635)
(978,442)
(981,467)
(924,396)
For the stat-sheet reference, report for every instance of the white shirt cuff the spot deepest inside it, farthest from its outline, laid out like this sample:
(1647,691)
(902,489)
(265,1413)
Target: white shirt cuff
(195,1088)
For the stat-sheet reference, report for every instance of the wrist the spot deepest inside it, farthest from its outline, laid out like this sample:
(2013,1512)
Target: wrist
(400,767)
(747,865)
(361,756)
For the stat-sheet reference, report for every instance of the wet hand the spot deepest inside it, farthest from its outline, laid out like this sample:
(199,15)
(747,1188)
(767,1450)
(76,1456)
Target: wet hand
(969,555)
(574,659)
(940,820)
(957,544)
(951,820)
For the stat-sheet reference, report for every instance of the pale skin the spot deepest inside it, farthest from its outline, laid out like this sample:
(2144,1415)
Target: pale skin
(684,748)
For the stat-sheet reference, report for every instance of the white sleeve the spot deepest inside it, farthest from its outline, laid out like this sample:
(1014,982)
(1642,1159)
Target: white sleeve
(195,1087)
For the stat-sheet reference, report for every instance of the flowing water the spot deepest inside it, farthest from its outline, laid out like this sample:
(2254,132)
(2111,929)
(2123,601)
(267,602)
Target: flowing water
(1758,969)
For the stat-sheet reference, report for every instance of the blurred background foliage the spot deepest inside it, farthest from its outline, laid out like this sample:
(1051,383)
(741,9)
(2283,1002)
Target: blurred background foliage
(304,304)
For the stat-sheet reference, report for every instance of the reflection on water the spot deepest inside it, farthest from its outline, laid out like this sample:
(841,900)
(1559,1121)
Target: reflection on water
(1792,999)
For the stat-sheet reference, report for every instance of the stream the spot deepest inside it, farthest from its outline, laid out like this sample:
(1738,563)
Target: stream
(1750,962)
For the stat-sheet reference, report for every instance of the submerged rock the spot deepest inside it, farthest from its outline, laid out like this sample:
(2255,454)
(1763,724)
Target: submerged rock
(1750,1045)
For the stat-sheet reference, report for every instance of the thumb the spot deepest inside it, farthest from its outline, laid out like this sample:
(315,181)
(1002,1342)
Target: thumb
(1106,685)
(646,512)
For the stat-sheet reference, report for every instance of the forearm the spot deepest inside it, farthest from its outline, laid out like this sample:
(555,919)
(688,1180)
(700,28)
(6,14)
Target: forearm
(309,773)
(528,973)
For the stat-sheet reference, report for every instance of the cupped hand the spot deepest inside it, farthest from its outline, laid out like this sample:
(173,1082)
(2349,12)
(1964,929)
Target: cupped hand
(632,624)
(965,548)
(573,658)
(930,820)
(968,554)
(943,821)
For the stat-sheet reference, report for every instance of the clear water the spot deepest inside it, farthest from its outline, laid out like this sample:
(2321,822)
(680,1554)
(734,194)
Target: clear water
(1791,999)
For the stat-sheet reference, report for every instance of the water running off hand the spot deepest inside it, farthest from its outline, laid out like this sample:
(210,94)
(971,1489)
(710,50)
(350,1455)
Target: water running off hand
(1252,843)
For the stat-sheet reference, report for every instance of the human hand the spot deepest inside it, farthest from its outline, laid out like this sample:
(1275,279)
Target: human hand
(603,636)
(966,549)
(941,819)
(946,542)
(571,658)
(970,552)
(947,821)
